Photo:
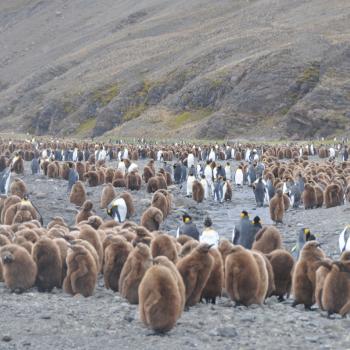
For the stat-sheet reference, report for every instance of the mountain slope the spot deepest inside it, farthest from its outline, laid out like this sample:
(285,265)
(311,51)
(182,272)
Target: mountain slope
(159,68)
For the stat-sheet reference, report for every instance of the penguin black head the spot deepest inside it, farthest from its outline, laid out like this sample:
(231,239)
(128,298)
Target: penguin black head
(308,235)
(208,222)
(256,220)
(244,214)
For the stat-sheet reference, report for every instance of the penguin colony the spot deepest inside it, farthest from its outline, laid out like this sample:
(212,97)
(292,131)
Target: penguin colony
(148,267)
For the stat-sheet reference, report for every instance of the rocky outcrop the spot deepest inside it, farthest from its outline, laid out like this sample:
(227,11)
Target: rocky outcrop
(233,70)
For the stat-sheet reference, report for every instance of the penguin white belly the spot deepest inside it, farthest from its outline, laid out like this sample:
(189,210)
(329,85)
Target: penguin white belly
(344,241)
(266,198)
(212,156)
(121,167)
(189,186)
(228,173)
(206,189)
(190,161)
(132,167)
(239,178)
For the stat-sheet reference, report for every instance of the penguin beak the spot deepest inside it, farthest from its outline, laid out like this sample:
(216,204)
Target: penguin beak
(7,259)
(66,238)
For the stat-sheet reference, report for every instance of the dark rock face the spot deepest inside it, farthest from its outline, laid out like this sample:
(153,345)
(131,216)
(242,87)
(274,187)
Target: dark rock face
(254,69)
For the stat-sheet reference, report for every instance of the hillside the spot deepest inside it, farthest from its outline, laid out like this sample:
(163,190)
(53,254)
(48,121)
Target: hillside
(184,68)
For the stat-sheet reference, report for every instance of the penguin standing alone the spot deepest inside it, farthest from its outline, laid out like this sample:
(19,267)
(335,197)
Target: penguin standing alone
(244,232)
(259,189)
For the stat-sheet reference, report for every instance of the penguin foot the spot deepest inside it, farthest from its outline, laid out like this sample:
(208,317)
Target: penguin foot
(295,303)
(18,291)
(329,314)
(186,308)
(280,298)
(213,301)
(156,334)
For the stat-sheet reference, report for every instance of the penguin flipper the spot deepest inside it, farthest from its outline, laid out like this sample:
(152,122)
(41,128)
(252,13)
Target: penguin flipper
(342,242)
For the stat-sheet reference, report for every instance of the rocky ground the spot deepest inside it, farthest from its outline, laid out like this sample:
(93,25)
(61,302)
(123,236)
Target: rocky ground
(58,321)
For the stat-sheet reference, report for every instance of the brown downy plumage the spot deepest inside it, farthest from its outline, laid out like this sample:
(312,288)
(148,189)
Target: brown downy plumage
(197,191)
(107,195)
(188,247)
(242,277)
(182,239)
(277,207)
(18,188)
(282,264)
(159,201)
(116,254)
(168,197)
(133,181)
(309,197)
(214,285)
(148,172)
(81,271)
(195,270)
(78,194)
(162,296)
(8,202)
(136,265)
(153,184)
(321,274)
(304,275)
(18,268)
(263,277)
(47,257)
(85,212)
(62,245)
(332,196)
(163,245)
(92,178)
(267,240)
(151,219)
(335,296)
(89,234)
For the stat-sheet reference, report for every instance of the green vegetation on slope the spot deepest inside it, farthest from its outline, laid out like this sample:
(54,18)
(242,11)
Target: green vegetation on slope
(103,96)
(310,74)
(86,126)
(188,117)
(134,112)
